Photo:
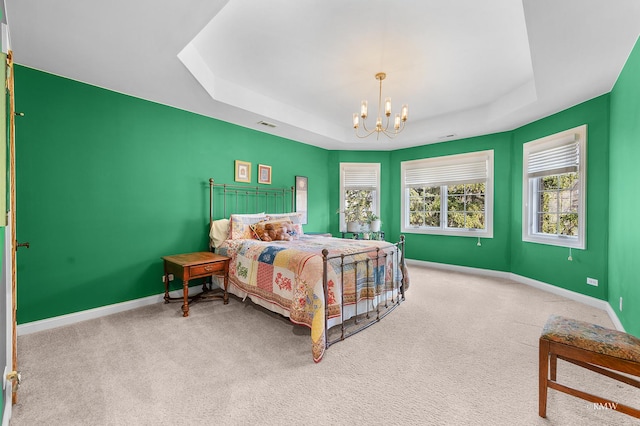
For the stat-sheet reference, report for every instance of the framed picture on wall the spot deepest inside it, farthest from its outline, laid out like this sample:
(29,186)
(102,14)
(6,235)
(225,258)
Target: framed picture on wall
(243,171)
(301,197)
(264,174)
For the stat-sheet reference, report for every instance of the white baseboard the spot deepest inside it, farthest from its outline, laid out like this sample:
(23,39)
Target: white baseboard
(49,323)
(6,414)
(463,269)
(614,318)
(46,324)
(587,300)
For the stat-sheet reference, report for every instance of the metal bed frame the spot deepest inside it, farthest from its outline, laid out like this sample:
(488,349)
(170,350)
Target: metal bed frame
(362,320)
(261,198)
(379,303)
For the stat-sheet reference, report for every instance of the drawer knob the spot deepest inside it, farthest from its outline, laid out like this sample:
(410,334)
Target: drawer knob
(208,268)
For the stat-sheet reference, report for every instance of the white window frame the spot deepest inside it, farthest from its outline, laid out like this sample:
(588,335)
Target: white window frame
(452,162)
(359,168)
(529,200)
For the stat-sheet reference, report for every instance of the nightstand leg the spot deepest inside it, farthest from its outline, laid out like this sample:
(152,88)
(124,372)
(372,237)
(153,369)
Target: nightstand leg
(166,284)
(225,297)
(185,294)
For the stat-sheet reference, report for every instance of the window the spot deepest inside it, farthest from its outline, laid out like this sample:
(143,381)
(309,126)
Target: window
(359,192)
(450,195)
(553,189)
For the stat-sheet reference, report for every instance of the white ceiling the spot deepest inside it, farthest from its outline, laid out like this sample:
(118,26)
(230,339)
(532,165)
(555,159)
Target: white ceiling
(465,67)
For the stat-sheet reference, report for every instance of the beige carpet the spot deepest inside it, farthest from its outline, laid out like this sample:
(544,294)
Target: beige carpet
(462,350)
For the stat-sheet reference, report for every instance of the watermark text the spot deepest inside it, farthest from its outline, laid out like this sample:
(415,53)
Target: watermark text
(605,405)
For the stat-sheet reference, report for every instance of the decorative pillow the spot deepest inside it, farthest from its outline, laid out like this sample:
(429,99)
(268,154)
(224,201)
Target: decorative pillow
(274,230)
(295,218)
(250,215)
(240,226)
(219,231)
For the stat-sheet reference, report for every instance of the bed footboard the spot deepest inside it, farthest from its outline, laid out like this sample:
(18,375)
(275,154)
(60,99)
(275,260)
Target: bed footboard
(382,297)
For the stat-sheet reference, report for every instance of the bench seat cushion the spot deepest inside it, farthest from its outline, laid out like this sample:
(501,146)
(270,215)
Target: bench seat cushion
(592,337)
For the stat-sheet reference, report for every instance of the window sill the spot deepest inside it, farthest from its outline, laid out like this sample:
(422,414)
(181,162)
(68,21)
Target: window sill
(449,232)
(568,242)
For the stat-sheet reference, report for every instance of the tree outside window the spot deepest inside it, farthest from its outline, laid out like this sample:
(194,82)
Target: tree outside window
(464,207)
(558,203)
(358,205)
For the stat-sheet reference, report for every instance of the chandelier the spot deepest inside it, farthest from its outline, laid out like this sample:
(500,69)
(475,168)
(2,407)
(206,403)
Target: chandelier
(398,122)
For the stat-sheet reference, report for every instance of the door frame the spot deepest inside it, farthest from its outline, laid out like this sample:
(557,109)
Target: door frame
(10,245)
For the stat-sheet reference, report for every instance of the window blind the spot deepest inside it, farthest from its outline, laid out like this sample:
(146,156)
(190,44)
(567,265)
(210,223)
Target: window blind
(360,178)
(473,171)
(560,159)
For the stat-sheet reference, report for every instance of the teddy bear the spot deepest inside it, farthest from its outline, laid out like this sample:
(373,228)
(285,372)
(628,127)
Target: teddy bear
(275,233)
(269,233)
(284,235)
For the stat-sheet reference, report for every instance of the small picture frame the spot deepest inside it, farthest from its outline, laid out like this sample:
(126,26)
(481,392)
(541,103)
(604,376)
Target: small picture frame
(243,171)
(264,174)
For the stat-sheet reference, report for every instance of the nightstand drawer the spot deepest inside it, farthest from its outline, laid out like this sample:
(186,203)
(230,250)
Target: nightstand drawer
(206,269)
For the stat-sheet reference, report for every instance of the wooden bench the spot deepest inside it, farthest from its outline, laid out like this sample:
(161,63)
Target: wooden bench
(605,351)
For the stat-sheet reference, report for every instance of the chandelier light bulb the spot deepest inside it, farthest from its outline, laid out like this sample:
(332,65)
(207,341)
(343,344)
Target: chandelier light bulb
(363,110)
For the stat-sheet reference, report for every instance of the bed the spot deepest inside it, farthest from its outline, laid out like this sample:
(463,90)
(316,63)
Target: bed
(336,287)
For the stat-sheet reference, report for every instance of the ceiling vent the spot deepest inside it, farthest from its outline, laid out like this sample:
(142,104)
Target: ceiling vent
(265,123)
(449,136)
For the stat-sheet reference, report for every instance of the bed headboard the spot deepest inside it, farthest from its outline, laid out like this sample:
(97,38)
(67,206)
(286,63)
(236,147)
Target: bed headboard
(225,199)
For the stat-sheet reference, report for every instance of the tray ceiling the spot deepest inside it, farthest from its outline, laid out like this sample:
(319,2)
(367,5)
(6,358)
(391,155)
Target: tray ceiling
(465,68)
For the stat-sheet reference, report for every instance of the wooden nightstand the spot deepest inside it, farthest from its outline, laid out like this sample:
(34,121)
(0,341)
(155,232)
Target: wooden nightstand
(196,265)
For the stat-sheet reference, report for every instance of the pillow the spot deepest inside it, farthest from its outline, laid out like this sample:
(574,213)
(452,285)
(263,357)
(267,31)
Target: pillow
(295,218)
(274,230)
(240,225)
(250,215)
(219,231)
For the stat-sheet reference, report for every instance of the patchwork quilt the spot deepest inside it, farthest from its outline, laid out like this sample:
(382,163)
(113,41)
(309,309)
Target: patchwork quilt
(289,274)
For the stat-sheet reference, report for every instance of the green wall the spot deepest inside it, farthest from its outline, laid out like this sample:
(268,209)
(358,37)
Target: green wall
(494,253)
(550,264)
(624,203)
(108,183)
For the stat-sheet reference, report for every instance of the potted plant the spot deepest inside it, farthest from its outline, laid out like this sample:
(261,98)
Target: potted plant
(374,222)
(357,211)
(351,216)
(354,227)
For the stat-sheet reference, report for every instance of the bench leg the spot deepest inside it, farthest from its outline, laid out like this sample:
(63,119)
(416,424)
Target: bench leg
(543,376)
